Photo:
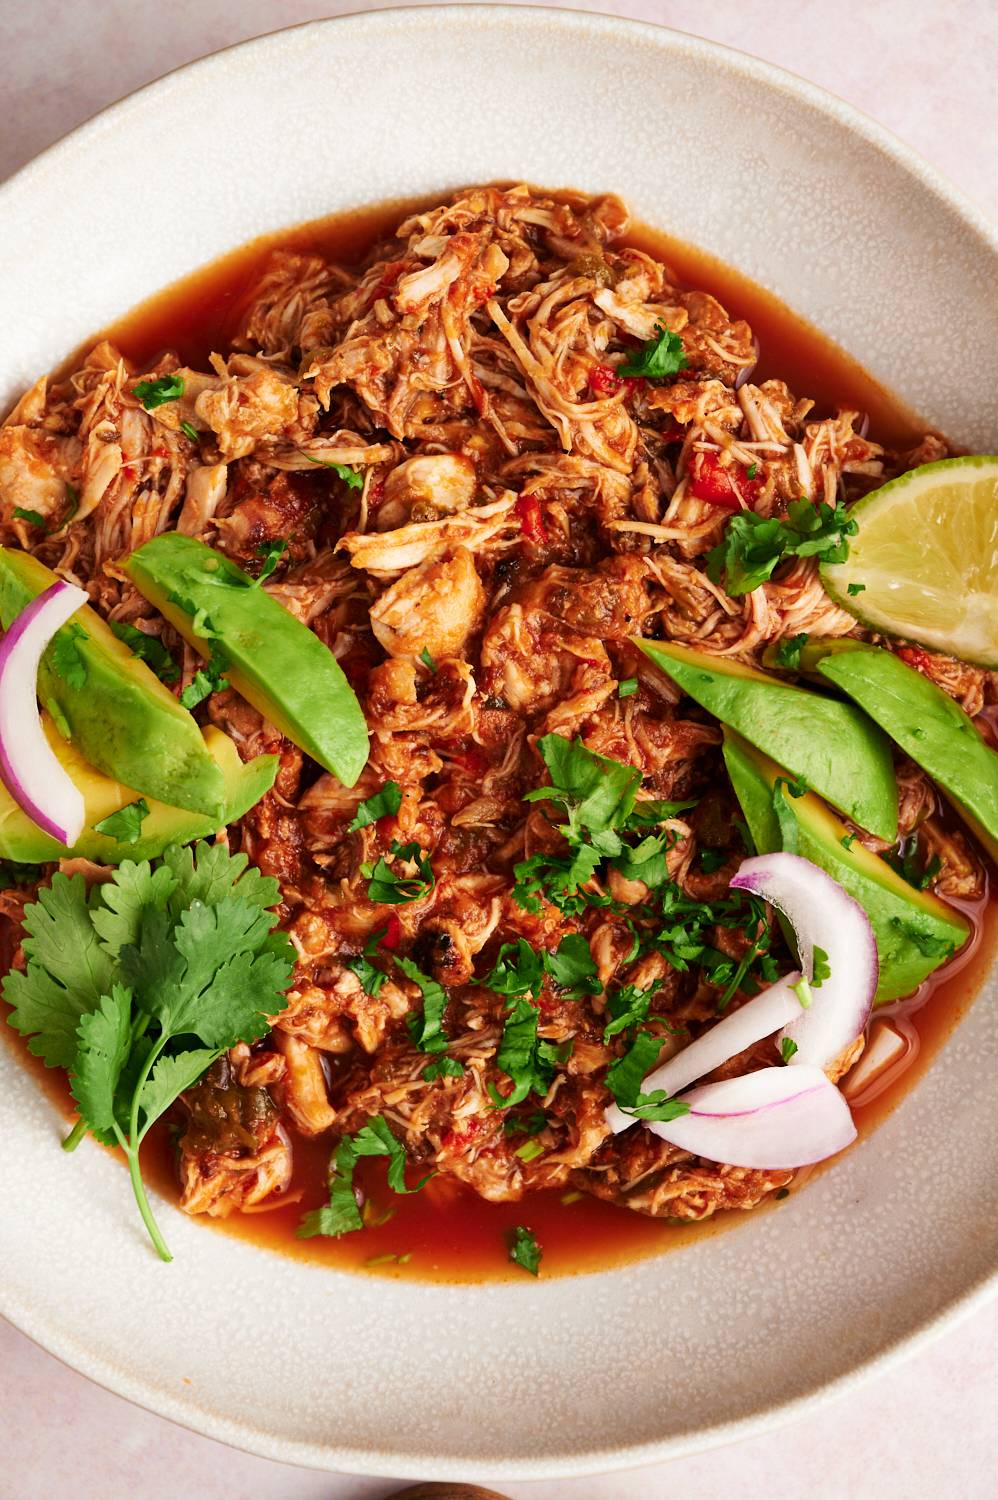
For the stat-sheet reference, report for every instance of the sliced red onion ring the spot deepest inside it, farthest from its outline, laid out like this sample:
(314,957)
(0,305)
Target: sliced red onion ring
(757,1018)
(28,767)
(776,1119)
(825,916)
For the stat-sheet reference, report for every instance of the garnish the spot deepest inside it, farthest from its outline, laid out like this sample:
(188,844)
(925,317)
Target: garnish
(426,1029)
(190,431)
(153,393)
(271,552)
(207,679)
(371,979)
(341,1215)
(66,660)
(384,804)
(442,1067)
(350,477)
(789,649)
(427,659)
(848,840)
(754,545)
(524,1250)
(572,967)
(751,471)
(148,648)
(925,942)
(627,1008)
(626,688)
(32,517)
(126,824)
(787,1048)
(625,1077)
(660,357)
(72,503)
(123,978)
(855,588)
(907,861)
(787,823)
(391,888)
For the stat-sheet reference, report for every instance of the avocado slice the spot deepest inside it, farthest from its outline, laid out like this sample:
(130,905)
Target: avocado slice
(835,748)
(915,931)
(276,662)
(243,785)
(121,718)
(928,726)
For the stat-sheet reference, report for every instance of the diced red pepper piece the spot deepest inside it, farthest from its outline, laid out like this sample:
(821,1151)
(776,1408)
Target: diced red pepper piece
(528,512)
(393,934)
(723,485)
(916,657)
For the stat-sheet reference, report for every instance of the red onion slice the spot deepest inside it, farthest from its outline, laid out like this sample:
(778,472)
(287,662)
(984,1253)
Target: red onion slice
(757,1018)
(776,1119)
(28,767)
(822,915)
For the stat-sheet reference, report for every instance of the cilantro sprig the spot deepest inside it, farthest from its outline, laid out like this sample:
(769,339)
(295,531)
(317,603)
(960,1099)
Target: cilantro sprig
(753,545)
(341,1215)
(660,357)
(153,393)
(384,804)
(524,1250)
(207,679)
(148,648)
(136,986)
(392,887)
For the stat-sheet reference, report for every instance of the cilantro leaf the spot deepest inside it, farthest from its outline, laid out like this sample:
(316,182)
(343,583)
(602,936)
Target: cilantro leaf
(371,979)
(350,477)
(627,1007)
(597,793)
(385,803)
(661,356)
(518,970)
(852,589)
(625,1076)
(788,651)
(786,821)
(65,657)
(925,942)
(427,659)
(190,431)
(390,887)
(271,552)
(104,1044)
(153,393)
(572,967)
(787,1048)
(527,1061)
(524,1250)
(442,1067)
(148,648)
(126,824)
(207,679)
(426,1030)
(627,687)
(753,545)
(907,861)
(341,1215)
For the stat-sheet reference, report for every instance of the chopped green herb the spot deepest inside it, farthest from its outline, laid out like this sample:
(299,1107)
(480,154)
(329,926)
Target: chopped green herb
(391,888)
(427,1029)
(32,517)
(531,1124)
(67,662)
(753,545)
(123,977)
(442,1067)
(625,1077)
(907,861)
(797,787)
(153,393)
(572,967)
(751,471)
(427,659)
(190,431)
(627,1007)
(524,1250)
(384,804)
(271,552)
(529,1151)
(341,1215)
(789,649)
(821,968)
(207,679)
(371,979)
(855,588)
(802,990)
(126,824)
(787,1048)
(72,503)
(627,687)
(148,648)
(13,873)
(848,840)
(660,357)
(350,477)
(518,970)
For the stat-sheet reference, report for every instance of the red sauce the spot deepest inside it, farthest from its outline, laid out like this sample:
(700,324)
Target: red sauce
(447,1232)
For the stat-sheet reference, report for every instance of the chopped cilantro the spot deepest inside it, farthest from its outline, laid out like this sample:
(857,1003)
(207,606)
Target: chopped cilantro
(427,659)
(442,1067)
(66,659)
(148,648)
(524,1250)
(126,824)
(821,968)
(518,970)
(660,357)
(385,803)
(207,679)
(572,967)
(848,840)
(855,588)
(426,1029)
(797,787)
(789,649)
(627,687)
(627,1007)
(597,793)
(802,990)
(341,1215)
(787,1048)
(753,545)
(137,985)
(271,552)
(751,471)
(391,888)
(350,477)
(190,431)
(907,862)
(32,517)
(72,503)
(371,979)
(625,1076)
(153,393)
(531,1124)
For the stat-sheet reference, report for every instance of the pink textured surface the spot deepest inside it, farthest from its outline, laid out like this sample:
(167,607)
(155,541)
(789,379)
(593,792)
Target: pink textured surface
(928,73)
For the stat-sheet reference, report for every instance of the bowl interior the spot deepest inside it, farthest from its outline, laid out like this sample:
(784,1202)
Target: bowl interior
(304,1364)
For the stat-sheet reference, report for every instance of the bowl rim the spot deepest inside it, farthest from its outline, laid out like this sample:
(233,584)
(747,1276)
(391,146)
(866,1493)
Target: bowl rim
(965,1301)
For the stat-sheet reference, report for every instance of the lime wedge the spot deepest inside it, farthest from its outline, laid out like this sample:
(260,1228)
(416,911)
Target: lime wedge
(924,563)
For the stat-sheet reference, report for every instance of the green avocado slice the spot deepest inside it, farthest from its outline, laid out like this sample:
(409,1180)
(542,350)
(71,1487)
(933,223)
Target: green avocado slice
(928,726)
(121,718)
(915,931)
(276,662)
(835,748)
(243,785)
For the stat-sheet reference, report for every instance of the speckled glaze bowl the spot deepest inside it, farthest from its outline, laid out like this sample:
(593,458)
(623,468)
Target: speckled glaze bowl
(709,1342)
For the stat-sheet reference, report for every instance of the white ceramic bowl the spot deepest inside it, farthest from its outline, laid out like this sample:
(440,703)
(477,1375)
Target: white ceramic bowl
(707,1343)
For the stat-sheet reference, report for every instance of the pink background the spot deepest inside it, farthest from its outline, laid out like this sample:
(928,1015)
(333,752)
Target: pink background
(926,70)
